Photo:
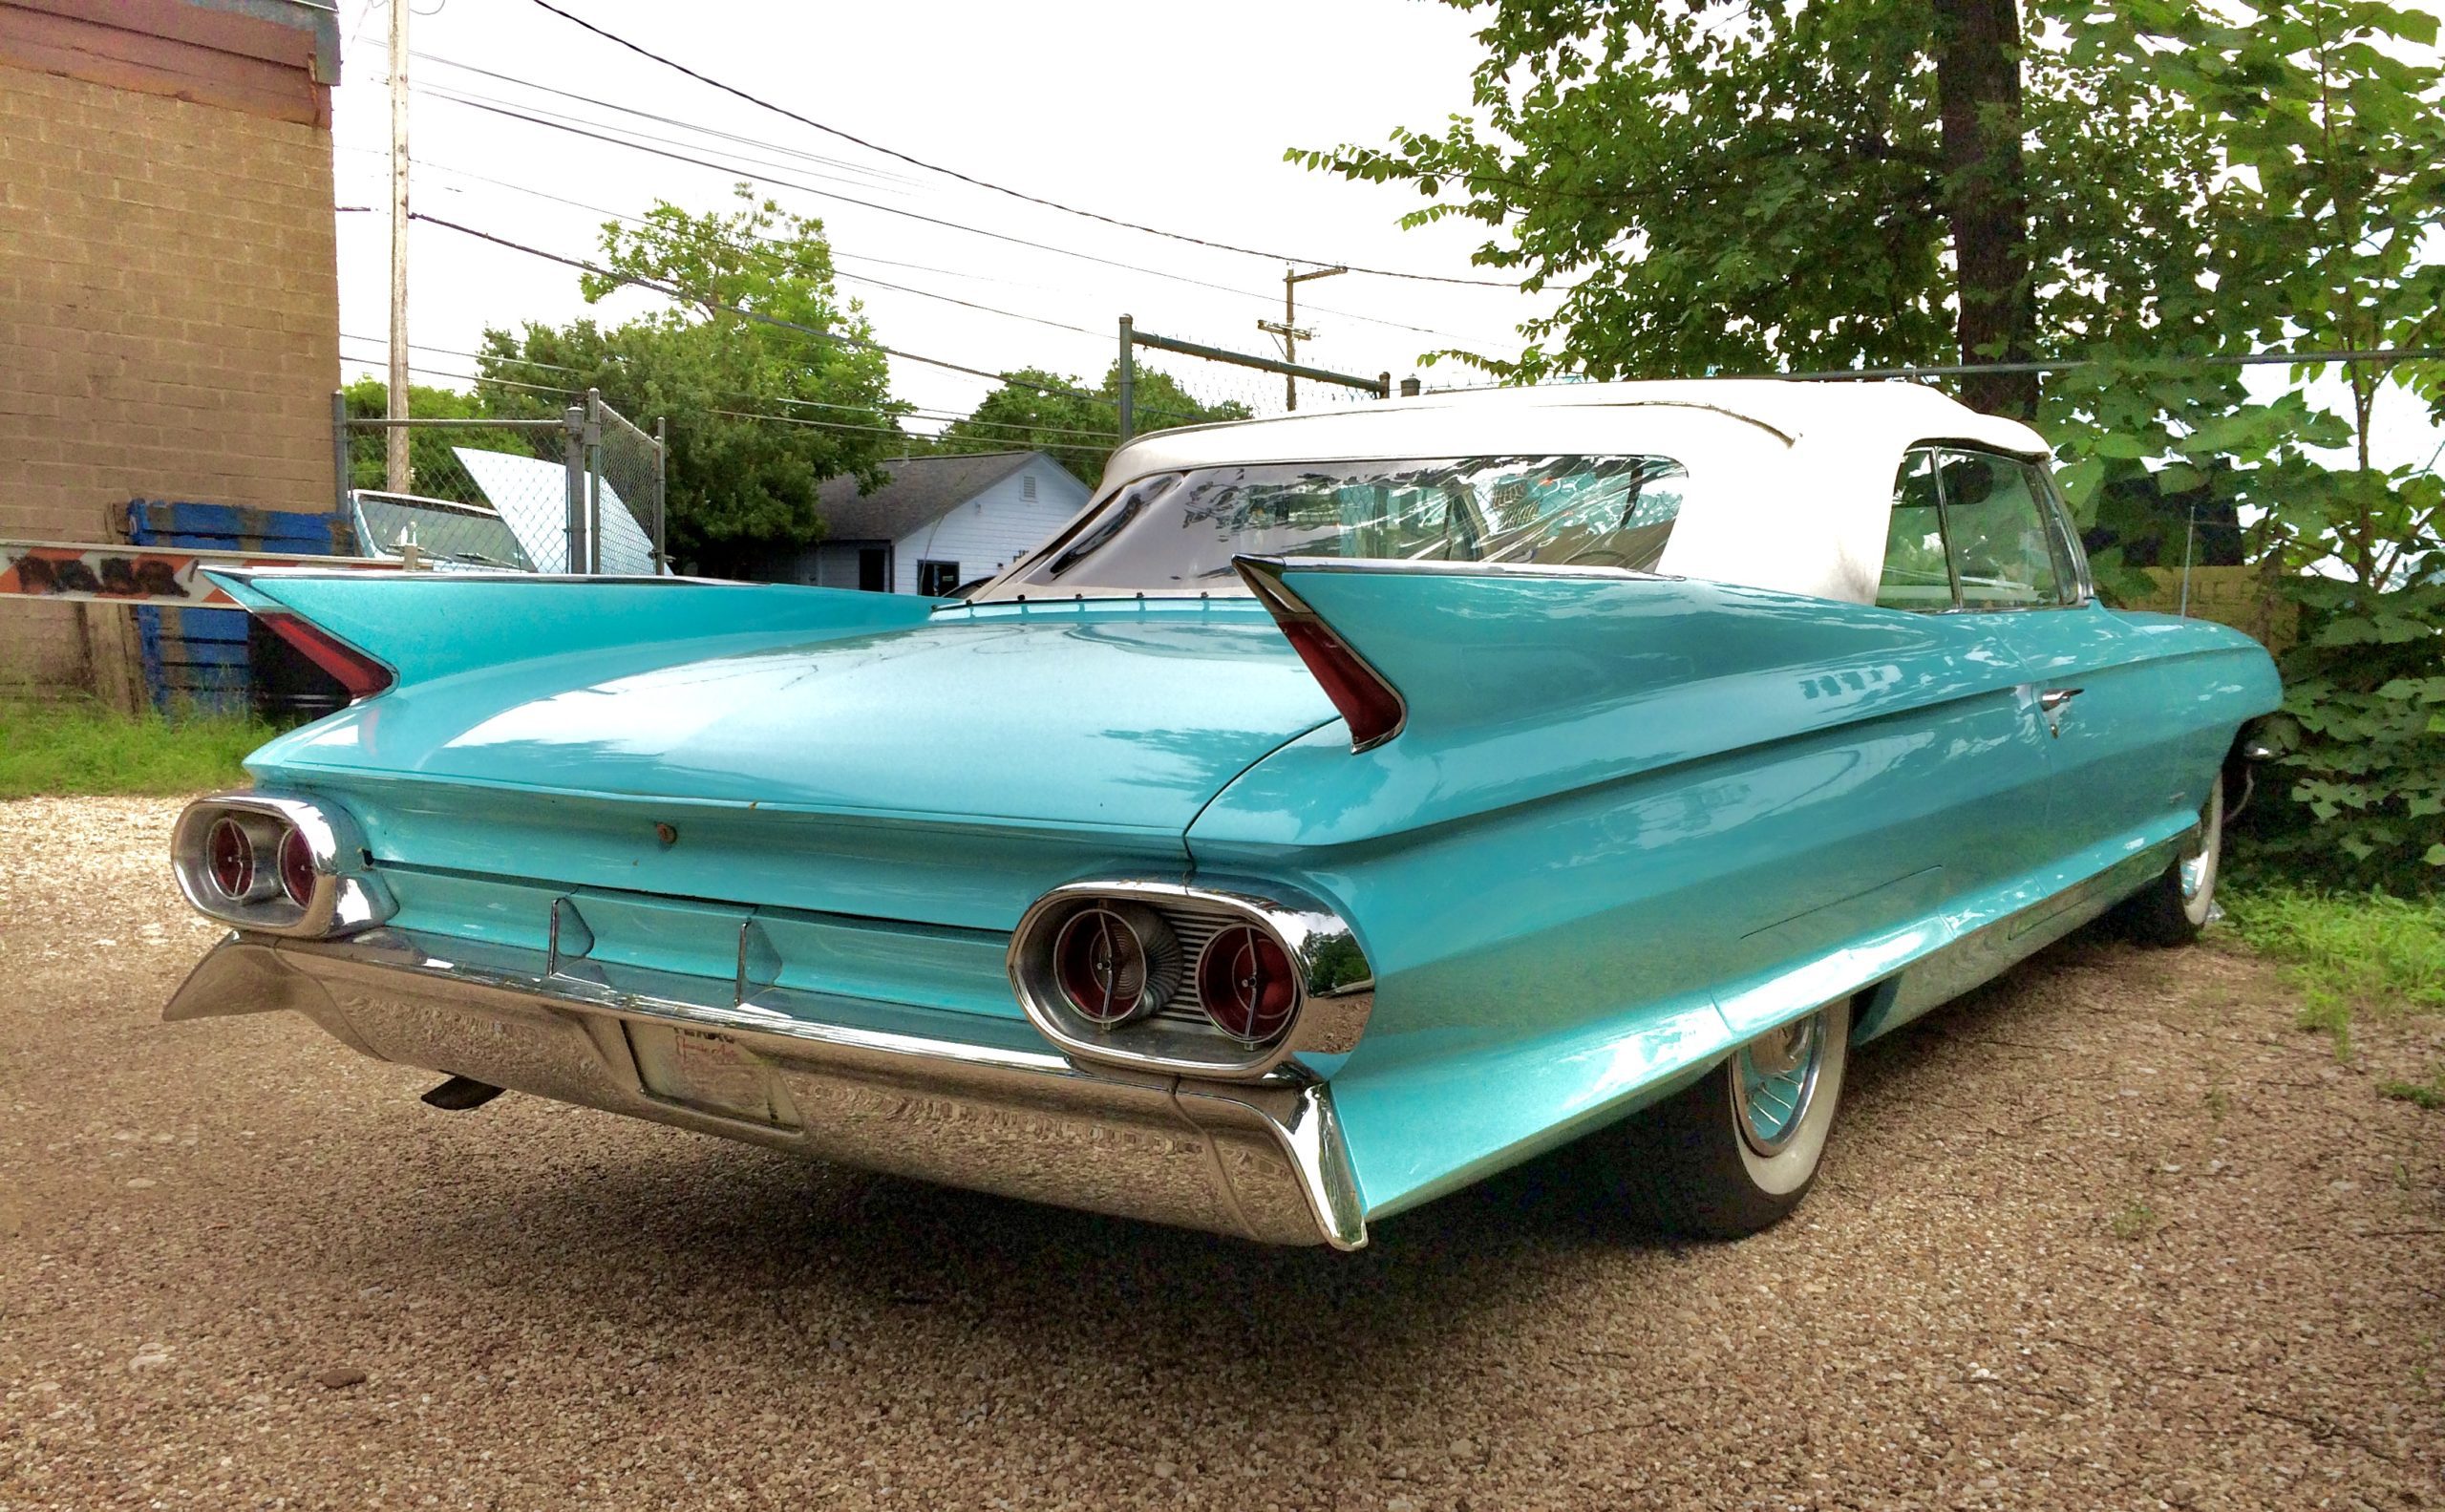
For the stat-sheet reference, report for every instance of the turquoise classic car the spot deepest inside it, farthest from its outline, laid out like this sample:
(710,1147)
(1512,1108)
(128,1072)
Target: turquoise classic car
(1342,808)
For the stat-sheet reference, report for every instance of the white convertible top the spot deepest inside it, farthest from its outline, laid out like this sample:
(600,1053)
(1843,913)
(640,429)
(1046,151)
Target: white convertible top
(1791,482)
(1882,417)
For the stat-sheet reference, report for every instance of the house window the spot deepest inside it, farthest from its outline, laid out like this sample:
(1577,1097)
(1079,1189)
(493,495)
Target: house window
(936,580)
(1027,485)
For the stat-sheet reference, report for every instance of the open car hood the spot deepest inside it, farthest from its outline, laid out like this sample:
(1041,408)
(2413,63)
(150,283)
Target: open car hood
(1111,717)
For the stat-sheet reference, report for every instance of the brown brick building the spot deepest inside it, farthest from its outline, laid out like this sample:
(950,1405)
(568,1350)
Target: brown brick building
(169,300)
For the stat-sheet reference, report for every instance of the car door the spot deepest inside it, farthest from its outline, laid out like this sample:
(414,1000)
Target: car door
(2113,745)
(1993,777)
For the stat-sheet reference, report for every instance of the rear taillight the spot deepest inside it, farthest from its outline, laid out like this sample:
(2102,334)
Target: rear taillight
(297,868)
(1246,985)
(1206,979)
(1115,962)
(359,674)
(1367,703)
(1370,706)
(279,865)
(229,860)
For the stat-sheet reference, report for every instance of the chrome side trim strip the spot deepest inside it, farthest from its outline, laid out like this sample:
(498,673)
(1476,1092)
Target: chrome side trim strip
(1397,566)
(997,1112)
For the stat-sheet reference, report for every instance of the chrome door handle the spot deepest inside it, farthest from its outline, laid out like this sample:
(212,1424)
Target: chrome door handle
(2054,698)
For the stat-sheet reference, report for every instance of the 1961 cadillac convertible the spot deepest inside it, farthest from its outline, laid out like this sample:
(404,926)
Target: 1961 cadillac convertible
(1341,808)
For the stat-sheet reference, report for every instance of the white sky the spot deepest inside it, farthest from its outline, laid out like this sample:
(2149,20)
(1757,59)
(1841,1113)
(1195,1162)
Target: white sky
(1089,103)
(1172,116)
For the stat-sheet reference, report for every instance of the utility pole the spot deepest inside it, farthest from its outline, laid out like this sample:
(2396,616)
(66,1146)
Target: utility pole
(1288,330)
(1127,409)
(395,437)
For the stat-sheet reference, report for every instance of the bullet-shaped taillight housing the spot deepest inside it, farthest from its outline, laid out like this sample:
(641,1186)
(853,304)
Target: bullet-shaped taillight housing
(1192,980)
(275,864)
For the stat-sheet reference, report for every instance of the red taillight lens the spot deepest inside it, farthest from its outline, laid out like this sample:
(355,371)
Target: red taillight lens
(1246,985)
(1115,962)
(359,674)
(297,868)
(1372,707)
(230,856)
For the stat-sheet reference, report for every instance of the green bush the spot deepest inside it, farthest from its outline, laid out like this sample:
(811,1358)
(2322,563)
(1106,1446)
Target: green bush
(2357,797)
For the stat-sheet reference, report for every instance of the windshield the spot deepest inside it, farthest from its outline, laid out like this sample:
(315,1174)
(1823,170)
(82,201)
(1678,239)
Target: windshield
(453,532)
(1178,531)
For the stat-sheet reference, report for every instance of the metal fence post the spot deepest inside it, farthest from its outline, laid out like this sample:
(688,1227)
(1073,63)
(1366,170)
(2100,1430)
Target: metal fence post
(593,481)
(661,493)
(340,468)
(1128,378)
(573,454)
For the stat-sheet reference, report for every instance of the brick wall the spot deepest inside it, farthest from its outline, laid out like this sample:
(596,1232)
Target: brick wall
(170,329)
(2244,598)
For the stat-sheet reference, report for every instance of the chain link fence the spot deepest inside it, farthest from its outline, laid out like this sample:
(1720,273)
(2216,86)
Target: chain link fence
(581,493)
(1217,378)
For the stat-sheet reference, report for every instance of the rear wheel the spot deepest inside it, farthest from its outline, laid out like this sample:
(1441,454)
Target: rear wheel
(2172,909)
(1735,1151)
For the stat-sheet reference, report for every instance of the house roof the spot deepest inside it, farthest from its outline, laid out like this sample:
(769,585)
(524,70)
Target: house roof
(921,490)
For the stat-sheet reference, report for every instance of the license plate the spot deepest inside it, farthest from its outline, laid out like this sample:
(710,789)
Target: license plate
(709,1072)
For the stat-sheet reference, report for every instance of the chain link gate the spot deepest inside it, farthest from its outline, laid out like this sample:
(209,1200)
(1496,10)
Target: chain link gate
(1379,387)
(579,494)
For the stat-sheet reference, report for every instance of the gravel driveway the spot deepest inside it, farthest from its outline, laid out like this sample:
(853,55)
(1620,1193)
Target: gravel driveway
(2108,1233)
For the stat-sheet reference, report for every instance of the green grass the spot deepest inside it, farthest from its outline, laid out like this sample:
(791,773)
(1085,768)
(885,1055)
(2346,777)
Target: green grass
(2135,1221)
(2349,953)
(81,748)
(2429,1093)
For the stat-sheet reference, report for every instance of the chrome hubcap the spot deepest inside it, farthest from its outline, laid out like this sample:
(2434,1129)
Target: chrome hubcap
(1774,1078)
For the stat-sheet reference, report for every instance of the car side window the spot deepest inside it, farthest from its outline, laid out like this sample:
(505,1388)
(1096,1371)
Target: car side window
(2000,531)
(1918,574)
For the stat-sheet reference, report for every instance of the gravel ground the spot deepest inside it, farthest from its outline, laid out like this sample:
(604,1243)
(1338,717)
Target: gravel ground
(2108,1233)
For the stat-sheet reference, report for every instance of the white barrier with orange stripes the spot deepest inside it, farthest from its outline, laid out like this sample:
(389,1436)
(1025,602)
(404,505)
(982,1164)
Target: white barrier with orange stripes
(68,572)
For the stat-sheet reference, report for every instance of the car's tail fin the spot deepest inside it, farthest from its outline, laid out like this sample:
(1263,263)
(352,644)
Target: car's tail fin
(1445,647)
(373,630)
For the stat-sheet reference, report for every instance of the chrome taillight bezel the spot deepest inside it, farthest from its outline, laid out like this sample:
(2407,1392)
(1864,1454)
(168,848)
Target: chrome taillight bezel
(345,897)
(1336,985)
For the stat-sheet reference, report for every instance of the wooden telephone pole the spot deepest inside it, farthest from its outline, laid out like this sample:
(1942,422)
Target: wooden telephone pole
(395,437)
(1287,330)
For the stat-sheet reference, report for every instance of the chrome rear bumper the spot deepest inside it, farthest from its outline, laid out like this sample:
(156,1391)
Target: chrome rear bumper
(859,1083)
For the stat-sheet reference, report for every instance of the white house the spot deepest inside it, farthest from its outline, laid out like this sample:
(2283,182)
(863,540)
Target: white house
(940,521)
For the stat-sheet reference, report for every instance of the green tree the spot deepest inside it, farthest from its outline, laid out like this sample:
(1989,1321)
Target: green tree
(1035,410)
(432,471)
(1837,183)
(769,379)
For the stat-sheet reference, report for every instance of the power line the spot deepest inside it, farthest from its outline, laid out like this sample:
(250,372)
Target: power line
(471,101)
(457,95)
(913,412)
(867,171)
(761,243)
(672,290)
(1001,189)
(936,438)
